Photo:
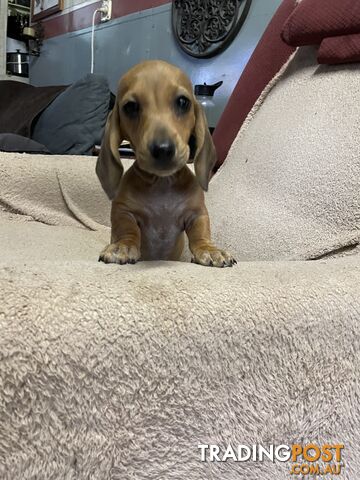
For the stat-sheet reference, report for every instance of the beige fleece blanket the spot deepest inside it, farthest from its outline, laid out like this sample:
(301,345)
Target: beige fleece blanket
(112,372)
(119,373)
(291,180)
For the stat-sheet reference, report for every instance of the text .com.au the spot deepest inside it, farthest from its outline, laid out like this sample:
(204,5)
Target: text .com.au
(309,459)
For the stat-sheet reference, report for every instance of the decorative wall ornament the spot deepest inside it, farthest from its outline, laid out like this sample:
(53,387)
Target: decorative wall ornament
(204,28)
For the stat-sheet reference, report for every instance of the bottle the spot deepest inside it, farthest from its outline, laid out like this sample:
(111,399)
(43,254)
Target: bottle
(204,95)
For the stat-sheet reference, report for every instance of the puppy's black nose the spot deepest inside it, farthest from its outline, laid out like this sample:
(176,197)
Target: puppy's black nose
(163,150)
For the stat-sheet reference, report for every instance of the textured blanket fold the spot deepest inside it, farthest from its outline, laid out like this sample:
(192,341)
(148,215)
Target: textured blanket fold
(293,172)
(55,190)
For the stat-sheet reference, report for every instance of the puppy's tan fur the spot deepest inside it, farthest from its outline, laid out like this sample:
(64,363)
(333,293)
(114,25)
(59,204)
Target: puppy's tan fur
(154,202)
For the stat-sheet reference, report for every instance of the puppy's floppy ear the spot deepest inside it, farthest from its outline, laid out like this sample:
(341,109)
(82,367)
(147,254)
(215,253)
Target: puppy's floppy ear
(108,166)
(205,153)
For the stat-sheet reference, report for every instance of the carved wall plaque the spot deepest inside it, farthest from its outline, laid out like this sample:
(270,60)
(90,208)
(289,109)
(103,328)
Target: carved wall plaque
(204,28)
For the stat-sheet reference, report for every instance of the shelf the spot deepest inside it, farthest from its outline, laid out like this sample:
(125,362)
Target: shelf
(16,78)
(18,8)
(19,38)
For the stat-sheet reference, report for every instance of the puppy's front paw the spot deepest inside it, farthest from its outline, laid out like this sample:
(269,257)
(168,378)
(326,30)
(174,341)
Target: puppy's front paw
(119,253)
(213,257)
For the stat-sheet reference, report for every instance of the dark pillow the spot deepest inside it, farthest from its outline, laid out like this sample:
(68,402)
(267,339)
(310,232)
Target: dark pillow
(313,20)
(21,104)
(73,123)
(10,142)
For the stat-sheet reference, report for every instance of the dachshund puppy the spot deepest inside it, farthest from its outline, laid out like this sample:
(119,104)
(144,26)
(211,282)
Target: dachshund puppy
(158,198)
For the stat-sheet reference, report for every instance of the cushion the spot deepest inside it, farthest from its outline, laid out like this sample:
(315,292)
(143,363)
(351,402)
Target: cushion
(75,120)
(21,104)
(10,142)
(314,20)
(343,49)
(289,188)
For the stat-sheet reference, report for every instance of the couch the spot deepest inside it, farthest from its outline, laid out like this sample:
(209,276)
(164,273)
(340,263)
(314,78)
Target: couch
(120,372)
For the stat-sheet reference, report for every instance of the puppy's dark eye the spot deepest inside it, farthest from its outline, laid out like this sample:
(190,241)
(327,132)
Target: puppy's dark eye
(182,104)
(131,109)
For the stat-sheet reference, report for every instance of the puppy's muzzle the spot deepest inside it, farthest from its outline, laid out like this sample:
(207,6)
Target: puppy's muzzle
(163,152)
